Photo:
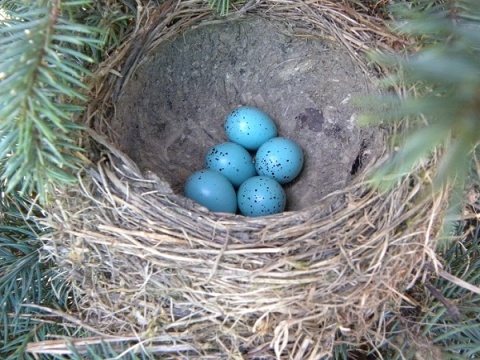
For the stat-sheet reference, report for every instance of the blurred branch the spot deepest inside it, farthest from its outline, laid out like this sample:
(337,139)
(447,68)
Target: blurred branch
(442,108)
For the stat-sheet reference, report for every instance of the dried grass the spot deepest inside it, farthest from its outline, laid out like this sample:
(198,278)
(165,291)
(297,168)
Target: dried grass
(147,264)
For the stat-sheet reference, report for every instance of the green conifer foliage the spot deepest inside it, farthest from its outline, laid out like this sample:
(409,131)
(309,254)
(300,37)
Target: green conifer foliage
(42,89)
(222,6)
(442,70)
(25,279)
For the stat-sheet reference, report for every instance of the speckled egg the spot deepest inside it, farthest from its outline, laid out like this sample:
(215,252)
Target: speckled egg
(260,196)
(231,160)
(212,190)
(249,127)
(279,158)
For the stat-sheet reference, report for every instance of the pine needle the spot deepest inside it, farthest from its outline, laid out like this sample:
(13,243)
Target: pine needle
(222,6)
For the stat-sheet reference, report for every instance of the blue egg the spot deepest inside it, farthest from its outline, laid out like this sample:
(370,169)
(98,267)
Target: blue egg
(249,127)
(231,160)
(279,158)
(212,190)
(260,196)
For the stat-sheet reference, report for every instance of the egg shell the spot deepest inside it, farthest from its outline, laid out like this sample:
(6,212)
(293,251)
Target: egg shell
(260,196)
(212,190)
(231,160)
(249,127)
(279,158)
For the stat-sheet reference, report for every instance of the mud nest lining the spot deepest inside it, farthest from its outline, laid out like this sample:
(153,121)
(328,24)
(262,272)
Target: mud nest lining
(174,107)
(147,264)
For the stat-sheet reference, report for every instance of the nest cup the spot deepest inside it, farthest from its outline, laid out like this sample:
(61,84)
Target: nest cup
(149,265)
(174,106)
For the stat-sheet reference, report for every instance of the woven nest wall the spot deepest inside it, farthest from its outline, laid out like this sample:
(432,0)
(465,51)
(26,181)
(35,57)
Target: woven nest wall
(147,264)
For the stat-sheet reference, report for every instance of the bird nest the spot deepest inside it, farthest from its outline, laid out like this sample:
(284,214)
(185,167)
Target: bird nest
(152,269)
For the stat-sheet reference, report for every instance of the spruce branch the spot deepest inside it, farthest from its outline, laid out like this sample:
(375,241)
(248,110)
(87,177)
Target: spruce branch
(25,279)
(443,110)
(42,90)
(115,18)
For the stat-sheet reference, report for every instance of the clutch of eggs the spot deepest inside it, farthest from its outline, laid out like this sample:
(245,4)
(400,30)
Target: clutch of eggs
(230,165)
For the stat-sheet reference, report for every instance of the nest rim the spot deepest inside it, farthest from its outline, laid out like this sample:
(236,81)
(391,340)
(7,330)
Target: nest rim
(114,183)
(207,17)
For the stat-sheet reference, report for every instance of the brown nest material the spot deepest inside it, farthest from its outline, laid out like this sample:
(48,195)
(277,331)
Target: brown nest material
(153,270)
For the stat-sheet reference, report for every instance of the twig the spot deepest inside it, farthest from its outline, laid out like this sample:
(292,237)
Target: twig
(453,279)
(63,346)
(452,310)
(70,318)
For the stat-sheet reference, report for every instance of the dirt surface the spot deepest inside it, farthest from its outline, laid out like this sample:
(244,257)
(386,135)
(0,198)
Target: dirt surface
(174,108)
